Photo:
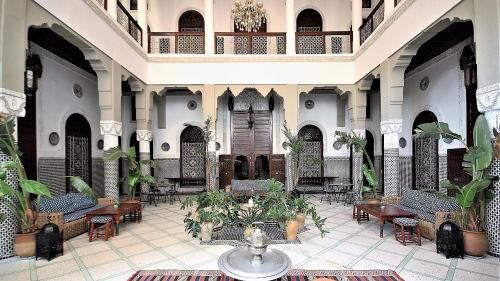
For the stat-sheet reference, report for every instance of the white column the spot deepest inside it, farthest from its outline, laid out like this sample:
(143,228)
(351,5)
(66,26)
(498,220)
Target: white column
(290,27)
(209,27)
(111,130)
(388,7)
(357,20)
(111,7)
(142,19)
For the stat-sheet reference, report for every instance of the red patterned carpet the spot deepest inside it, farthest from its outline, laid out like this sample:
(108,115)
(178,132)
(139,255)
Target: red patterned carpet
(293,275)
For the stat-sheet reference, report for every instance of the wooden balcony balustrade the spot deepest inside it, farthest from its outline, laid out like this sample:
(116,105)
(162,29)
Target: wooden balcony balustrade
(374,19)
(176,42)
(329,42)
(128,22)
(250,43)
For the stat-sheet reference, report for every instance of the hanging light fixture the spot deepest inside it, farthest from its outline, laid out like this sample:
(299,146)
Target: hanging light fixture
(248,15)
(251,117)
(33,72)
(468,65)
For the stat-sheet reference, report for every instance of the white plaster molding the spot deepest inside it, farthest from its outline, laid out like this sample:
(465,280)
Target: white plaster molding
(12,103)
(488,98)
(144,135)
(111,128)
(391,129)
(391,126)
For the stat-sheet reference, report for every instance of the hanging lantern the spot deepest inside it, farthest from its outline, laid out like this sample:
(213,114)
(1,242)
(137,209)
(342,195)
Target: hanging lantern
(32,74)
(468,65)
(251,117)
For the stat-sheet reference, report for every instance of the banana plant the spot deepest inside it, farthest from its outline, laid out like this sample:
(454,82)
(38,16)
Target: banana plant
(135,175)
(18,198)
(473,196)
(359,145)
(81,186)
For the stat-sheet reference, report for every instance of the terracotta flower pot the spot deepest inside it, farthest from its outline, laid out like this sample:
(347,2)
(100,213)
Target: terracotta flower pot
(301,219)
(475,243)
(132,201)
(25,244)
(207,229)
(374,201)
(292,227)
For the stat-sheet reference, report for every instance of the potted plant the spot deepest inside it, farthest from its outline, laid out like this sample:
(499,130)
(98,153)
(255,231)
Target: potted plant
(359,145)
(473,196)
(135,176)
(248,216)
(212,209)
(19,198)
(280,207)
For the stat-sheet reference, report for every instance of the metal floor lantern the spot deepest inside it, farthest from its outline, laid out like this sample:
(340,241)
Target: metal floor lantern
(49,242)
(450,240)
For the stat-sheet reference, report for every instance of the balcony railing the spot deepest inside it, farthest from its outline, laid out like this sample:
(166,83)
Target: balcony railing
(330,42)
(128,22)
(242,43)
(176,42)
(372,21)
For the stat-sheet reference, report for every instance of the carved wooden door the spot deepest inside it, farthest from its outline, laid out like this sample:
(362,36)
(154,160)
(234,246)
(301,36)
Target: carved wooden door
(226,172)
(277,167)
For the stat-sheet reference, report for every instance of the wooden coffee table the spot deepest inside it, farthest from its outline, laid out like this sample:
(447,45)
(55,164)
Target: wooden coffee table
(116,213)
(385,213)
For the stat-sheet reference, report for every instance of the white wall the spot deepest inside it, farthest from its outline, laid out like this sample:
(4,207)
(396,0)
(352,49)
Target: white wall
(336,14)
(56,102)
(177,114)
(445,96)
(373,123)
(128,126)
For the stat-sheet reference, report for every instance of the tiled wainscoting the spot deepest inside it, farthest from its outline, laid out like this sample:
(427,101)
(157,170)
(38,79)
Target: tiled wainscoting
(52,172)
(336,167)
(98,176)
(168,168)
(405,172)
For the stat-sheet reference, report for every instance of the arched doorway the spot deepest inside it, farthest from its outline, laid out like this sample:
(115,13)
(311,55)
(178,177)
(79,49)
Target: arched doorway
(310,168)
(192,156)
(191,21)
(370,149)
(241,168)
(309,20)
(78,149)
(425,156)
(261,167)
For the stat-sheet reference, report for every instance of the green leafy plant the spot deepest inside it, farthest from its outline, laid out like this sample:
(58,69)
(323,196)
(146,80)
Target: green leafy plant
(473,196)
(20,203)
(359,144)
(82,187)
(135,176)
(215,207)
(301,205)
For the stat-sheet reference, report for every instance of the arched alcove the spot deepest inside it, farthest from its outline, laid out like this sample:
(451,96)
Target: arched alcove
(309,20)
(192,155)
(425,156)
(191,21)
(310,168)
(78,149)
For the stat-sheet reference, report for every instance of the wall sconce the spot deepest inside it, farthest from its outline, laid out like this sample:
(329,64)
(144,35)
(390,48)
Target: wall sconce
(33,72)
(468,65)
(251,117)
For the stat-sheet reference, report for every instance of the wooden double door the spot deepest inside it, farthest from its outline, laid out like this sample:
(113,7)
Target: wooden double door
(251,150)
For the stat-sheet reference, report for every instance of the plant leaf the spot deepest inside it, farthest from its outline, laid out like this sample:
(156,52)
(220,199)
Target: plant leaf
(34,187)
(114,153)
(482,140)
(82,187)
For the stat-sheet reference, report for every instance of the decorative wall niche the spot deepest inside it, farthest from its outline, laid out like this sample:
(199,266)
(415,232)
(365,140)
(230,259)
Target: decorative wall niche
(192,105)
(54,138)
(424,83)
(165,146)
(77,90)
(309,104)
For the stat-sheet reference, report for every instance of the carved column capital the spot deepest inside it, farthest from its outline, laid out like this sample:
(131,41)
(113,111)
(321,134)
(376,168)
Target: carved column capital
(391,128)
(12,103)
(488,98)
(144,135)
(111,127)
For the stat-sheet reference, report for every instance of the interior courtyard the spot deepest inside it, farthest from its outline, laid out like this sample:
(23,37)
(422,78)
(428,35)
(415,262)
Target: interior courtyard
(249,140)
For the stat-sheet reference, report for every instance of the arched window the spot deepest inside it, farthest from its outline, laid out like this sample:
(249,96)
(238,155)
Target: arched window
(241,168)
(261,167)
(309,20)
(191,21)
(310,168)
(425,156)
(78,149)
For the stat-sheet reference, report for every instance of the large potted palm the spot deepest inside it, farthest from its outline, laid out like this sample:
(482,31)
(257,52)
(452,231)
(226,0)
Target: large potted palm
(135,175)
(473,196)
(359,145)
(19,197)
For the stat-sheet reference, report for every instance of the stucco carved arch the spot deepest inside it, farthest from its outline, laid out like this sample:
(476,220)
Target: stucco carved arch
(64,118)
(313,7)
(187,9)
(320,127)
(179,132)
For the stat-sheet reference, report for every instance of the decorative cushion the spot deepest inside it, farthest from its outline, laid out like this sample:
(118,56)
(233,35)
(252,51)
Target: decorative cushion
(428,202)
(405,221)
(81,201)
(62,204)
(101,219)
(423,215)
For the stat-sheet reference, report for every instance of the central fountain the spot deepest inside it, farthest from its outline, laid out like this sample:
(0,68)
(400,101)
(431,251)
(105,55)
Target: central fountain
(255,261)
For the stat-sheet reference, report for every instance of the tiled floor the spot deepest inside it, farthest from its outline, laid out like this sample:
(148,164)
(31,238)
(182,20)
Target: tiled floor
(159,242)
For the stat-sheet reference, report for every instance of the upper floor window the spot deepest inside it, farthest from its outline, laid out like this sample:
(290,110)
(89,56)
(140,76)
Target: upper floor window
(133,5)
(367,4)
(191,21)
(309,20)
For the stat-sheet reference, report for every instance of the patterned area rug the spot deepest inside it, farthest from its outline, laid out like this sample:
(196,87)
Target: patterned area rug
(293,275)
(233,235)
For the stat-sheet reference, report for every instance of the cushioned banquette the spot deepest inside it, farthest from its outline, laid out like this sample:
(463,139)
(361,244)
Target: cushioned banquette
(431,209)
(67,211)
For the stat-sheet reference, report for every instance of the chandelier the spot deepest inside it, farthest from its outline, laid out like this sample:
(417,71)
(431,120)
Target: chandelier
(248,15)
